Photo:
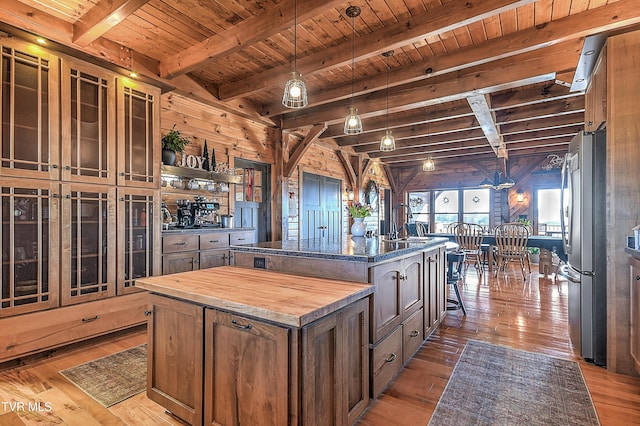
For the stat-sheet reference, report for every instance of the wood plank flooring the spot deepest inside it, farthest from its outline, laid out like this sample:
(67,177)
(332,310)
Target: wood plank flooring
(503,311)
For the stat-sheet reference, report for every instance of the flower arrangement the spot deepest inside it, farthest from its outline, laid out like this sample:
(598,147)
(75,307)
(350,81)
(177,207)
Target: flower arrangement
(359,210)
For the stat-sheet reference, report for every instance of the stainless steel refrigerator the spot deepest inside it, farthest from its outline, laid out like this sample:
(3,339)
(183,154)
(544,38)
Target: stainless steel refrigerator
(584,239)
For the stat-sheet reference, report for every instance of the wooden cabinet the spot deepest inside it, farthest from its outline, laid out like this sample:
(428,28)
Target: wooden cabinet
(88,123)
(66,237)
(634,279)
(30,246)
(256,371)
(246,371)
(596,95)
(176,364)
(207,249)
(435,307)
(88,241)
(139,148)
(29,112)
(136,255)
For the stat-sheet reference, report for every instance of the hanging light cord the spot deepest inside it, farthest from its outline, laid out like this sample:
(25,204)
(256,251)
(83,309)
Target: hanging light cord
(388,92)
(353,55)
(295,35)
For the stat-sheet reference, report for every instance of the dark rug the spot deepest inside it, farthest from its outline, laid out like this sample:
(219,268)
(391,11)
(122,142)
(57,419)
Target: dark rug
(495,385)
(113,378)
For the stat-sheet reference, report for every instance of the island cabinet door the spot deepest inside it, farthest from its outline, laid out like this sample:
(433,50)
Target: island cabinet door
(246,378)
(335,367)
(386,313)
(431,310)
(412,287)
(175,357)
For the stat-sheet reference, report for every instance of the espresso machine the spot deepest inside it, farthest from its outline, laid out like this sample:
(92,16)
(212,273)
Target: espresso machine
(205,212)
(185,217)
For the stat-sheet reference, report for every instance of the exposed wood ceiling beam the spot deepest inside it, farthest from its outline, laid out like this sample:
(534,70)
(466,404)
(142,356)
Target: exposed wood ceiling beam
(299,150)
(528,68)
(539,111)
(245,33)
(605,18)
(576,118)
(102,17)
(454,14)
(482,110)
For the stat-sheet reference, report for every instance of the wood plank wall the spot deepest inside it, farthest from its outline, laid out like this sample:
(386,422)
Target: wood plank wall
(623,193)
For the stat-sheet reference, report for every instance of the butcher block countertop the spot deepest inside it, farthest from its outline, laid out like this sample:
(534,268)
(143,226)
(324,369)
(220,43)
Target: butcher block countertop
(282,298)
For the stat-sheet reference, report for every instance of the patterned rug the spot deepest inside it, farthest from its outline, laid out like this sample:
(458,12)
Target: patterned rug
(113,378)
(495,385)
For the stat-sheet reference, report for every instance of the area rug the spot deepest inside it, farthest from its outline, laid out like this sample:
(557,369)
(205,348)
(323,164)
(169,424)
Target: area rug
(113,378)
(495,385)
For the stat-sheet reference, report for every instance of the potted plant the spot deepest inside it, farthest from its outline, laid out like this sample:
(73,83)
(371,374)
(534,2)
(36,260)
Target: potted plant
(534,254)
(173,142)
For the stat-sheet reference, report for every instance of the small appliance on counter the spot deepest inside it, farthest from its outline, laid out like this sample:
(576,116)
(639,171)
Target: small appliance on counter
(199,213)
(227,220)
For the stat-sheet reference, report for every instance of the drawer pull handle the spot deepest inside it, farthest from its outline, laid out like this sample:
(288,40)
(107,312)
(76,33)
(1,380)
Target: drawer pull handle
(391,357)
(401,277)
(241,239)
(184,243)
(240,326)
(414,333)
(147,313)
(214,241)
(90,319)
(637,277)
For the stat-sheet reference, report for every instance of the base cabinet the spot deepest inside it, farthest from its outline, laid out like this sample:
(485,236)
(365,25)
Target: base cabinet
(634,279)
(216,367)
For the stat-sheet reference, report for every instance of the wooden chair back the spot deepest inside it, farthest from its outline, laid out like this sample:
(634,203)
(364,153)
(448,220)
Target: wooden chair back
(421,229)
(468,236)
(511,240)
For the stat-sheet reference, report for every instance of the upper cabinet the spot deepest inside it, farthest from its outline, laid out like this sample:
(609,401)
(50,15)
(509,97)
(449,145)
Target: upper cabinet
(596,95)
(88,123)
(139,148)
(29,111)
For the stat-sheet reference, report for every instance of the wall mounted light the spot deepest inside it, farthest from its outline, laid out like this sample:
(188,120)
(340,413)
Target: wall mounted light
(350,194)
(295,91)
(520,196)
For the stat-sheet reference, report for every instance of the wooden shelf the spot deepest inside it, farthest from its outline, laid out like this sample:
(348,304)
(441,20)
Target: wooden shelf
(189,173)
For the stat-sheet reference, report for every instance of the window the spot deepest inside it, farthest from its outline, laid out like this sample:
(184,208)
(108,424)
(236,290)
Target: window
(420,206)
(548,211)
(446,209)
(476,206)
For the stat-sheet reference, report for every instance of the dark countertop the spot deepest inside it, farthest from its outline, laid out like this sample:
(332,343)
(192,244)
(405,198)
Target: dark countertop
(354,249)
(174,231)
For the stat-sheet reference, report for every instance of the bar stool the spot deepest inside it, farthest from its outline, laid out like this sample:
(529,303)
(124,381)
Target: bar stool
(454,273)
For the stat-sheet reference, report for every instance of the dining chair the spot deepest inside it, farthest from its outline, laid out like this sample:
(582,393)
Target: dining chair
(469,239)
(421,229)
(511,244)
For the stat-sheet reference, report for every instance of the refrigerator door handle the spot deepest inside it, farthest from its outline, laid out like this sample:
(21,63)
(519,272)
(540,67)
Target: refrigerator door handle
(566,271)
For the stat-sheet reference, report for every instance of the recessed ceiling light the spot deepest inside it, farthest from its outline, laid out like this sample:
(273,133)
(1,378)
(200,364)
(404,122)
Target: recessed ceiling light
(133,74)
(40,40)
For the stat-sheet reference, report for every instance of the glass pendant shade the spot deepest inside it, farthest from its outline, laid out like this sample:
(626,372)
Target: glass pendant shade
(428,165)
(486,184)
(295,92)
(352,122)
(388,142)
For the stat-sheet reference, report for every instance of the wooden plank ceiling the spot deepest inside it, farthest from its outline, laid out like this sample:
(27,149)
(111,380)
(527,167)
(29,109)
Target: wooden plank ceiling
(468,78)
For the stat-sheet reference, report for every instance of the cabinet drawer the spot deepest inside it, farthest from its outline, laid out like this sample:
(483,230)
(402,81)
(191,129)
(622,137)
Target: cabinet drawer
(241,237)
(412,336)
(214,240)
(386,361)
(180,262)
(69,324)
(214,258)
(178,243)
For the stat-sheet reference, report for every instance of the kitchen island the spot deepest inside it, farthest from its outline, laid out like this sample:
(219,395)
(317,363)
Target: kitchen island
(409,277)
(234,345)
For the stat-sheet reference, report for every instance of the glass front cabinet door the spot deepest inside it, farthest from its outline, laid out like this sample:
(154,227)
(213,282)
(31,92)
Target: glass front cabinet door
(29,241)
(88,123)
(88,242)
(137,213)
(29,109)
(139,147)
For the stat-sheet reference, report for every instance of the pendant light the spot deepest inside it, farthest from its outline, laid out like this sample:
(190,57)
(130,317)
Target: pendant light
(295,91)
(388,142)
(352,122)
(428,165)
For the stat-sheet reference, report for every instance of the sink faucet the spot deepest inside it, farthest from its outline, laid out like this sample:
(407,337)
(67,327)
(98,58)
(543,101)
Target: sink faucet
(395,233)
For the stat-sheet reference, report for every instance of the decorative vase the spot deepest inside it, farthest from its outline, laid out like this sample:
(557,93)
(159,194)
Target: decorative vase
(358,228)
(168,157)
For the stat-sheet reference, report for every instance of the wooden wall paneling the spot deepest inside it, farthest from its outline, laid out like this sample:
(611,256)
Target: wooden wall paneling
(623,175)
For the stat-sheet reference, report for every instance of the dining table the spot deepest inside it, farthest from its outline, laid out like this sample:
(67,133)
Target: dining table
(551,243)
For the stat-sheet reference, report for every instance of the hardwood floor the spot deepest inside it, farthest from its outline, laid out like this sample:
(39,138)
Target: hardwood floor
(502,311)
